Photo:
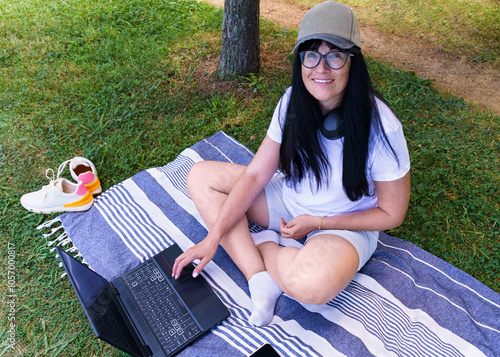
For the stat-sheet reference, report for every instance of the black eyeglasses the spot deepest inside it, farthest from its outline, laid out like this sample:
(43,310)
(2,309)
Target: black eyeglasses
(334,59)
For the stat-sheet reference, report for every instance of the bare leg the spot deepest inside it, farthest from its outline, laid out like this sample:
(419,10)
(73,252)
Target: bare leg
(209,183)
(314,274)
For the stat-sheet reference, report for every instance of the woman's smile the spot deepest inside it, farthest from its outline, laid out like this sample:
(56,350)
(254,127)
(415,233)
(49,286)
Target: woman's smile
(323,81)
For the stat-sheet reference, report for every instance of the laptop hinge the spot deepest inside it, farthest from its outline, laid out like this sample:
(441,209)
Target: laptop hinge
(113,290)
(143,346)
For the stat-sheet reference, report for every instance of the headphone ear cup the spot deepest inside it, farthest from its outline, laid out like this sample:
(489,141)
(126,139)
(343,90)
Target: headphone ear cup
(332,127)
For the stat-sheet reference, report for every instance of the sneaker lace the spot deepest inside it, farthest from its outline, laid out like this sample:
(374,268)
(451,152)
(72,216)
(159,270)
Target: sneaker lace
(50,174)
(52,181)
(60,169)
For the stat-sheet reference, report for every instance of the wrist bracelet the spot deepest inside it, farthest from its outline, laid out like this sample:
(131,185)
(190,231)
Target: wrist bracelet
(321,222)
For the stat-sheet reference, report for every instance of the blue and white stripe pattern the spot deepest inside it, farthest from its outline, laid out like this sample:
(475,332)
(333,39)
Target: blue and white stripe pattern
(404,302)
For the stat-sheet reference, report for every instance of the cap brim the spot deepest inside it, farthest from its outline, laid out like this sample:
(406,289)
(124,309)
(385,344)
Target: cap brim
(334,40)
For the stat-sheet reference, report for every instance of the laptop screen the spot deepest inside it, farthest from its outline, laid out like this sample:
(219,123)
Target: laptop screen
(98,304)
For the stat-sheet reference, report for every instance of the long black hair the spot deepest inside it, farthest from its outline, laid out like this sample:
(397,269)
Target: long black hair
(301,150)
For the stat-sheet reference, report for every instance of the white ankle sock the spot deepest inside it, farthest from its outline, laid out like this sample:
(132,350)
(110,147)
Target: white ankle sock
(264,293)
(265,236)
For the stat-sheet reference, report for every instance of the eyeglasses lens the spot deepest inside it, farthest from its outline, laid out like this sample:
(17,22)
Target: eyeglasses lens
(334,60)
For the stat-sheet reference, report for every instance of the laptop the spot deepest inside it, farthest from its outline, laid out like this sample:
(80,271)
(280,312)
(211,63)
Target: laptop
(146,312)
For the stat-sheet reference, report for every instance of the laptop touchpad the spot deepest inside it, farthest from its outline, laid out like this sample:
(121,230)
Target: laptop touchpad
(193,292)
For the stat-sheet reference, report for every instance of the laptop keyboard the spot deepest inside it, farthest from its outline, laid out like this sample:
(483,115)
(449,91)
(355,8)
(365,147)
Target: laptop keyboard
(165,313)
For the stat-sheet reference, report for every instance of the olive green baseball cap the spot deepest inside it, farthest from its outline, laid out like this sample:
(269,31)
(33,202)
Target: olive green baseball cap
(332,22)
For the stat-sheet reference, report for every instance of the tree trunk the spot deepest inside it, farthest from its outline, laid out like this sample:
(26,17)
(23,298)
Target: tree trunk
(240,54)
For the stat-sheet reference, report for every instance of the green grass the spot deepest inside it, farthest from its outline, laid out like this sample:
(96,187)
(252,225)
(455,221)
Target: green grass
(121,83)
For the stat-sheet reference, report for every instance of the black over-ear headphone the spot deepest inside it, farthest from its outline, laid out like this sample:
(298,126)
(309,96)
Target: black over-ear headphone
(333,125)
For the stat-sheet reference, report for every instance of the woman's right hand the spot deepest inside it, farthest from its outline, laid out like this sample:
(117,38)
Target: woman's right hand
(204,251)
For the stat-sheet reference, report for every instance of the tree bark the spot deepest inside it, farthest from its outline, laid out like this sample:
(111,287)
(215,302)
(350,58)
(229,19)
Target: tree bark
(240,54)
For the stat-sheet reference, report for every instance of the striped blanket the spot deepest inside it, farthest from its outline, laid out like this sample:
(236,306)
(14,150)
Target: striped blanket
(403,302)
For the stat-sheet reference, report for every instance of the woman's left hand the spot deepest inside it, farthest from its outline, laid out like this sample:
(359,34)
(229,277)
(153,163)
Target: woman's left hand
(299,226)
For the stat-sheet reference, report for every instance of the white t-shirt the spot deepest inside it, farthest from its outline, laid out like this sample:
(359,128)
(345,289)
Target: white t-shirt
(331,199)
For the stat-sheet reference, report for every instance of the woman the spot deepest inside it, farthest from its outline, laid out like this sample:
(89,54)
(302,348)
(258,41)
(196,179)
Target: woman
(344,176)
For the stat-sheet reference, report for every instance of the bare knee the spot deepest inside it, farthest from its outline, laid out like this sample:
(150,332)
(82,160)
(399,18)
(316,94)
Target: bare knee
(201,177)
(209,182)
(194,176)
(217,175)
(316,289)
(199,189)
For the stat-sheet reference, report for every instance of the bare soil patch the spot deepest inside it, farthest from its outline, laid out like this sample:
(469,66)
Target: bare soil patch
(475,82)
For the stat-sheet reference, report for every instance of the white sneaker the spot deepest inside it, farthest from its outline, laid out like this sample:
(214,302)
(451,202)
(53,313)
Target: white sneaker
(83,170)
(60,195)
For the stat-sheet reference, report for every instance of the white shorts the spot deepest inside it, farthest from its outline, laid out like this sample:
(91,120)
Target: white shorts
(365,242)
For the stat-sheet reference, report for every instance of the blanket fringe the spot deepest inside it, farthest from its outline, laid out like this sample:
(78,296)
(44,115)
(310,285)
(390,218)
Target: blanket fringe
(48,224)
(62,240)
